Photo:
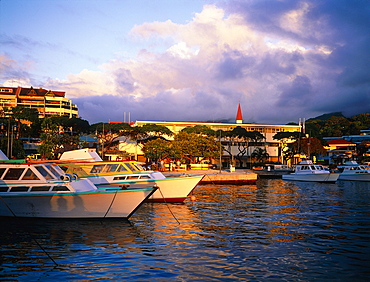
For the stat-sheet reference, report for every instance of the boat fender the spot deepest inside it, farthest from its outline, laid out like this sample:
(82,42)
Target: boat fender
(74,176)
(66,177)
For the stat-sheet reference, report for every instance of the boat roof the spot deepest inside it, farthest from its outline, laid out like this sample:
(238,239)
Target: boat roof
(85,154)
(351,163)
(306,162)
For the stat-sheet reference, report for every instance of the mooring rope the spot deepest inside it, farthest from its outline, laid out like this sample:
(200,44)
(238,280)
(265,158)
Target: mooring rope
(33,238)
(115,194)
(168,205)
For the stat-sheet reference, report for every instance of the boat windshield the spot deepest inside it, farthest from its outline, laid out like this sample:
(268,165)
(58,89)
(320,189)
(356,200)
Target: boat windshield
(97,169)
(44,172)
(131,167)
(122,168)
(30,175)
(138,166)
(54,171)
(111,167)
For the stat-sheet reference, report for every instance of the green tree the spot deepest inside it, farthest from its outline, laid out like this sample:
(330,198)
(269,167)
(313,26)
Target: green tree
(287,138)
(260,154)
(28,121)
(158,149)
(195,147)
(55,142)
(199,129)
(241,138)
(155,130)
(309,146)
(108,134)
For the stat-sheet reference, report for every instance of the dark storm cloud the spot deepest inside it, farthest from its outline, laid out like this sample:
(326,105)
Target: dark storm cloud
(233,65)
(278,62)
(296,94)
(341,79)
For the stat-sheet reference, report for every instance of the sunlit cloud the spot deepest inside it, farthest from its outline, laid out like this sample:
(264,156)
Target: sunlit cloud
(274,59)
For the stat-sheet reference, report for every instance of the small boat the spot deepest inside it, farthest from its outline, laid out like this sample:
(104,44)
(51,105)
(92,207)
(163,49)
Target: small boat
(353,171)
(127,173)
(306,170)
(45,191)
(272,170)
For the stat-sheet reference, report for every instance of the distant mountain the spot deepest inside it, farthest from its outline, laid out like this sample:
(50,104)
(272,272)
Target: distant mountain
(222,120)
(327,116)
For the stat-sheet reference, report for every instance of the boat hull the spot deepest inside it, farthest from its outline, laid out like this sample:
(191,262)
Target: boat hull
(175,189)
(98,204)
(355,177)
(327,177)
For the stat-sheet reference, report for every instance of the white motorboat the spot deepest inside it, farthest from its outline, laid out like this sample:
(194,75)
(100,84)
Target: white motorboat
(87,164)
(45,191)
(306,170)
(353,171)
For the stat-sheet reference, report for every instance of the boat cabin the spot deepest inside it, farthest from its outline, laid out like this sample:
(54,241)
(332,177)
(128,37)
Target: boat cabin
(307,165)
(32,178)
(98,168)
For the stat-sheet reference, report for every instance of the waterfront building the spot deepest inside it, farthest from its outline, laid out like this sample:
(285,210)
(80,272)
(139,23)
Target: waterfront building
(339,150)
(273,147)
(47,102)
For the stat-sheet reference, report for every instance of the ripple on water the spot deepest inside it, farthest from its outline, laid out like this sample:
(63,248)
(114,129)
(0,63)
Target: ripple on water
(274,230)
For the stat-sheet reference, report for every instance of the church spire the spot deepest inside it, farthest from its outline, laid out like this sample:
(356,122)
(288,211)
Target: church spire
(239,116)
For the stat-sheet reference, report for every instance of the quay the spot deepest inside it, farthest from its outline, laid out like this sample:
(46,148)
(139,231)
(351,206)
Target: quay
(213,176)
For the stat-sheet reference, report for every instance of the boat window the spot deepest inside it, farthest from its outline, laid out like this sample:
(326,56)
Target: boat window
(53,171)
(13,173)
(40,188)
(3,189)
(19,189)
(97,169)
(132,177)
(144,177)
(111,167)
(2,171)
(44,172)
(30,175)
(60,188)
(313,167)
(138,166)
(119,178)
(131,166)
(121,168)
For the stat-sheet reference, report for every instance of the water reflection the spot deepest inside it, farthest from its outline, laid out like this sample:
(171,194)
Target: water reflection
(274,230)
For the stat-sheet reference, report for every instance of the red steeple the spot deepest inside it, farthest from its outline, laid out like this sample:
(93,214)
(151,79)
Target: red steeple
(239,116)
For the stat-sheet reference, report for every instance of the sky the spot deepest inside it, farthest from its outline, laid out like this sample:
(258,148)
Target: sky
(192,60)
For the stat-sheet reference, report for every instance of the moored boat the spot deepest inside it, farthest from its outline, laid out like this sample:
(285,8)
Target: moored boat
(306,170)
(353,171)
(118,173)
(272,170)
(45,191)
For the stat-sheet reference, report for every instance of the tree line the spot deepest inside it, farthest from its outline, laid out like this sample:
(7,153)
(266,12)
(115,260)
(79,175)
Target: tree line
(58,134)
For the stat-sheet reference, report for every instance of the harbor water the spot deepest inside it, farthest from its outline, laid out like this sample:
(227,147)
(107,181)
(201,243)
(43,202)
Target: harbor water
(274,230)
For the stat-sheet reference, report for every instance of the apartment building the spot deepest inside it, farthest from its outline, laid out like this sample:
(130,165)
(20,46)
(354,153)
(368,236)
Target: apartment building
(47,102)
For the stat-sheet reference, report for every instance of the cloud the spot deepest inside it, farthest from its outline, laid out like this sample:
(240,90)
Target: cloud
(282,60)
